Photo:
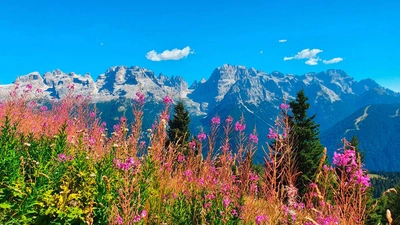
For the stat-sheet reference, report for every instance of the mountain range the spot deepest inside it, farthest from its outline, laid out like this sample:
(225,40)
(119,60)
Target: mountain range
(336,98)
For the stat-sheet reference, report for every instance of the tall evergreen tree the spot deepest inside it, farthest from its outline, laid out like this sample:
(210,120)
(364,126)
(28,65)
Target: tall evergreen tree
(178,130)
(307,147)
(355,143)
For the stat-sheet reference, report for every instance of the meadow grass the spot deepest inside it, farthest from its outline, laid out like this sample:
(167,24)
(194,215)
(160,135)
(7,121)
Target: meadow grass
(60,165)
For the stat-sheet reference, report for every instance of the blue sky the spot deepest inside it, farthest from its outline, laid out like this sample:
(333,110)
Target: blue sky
(358,36)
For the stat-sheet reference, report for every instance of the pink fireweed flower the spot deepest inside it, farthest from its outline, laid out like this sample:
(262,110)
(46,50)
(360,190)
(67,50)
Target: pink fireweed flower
(71,122)
(137,219)
(103,124)
(38,90)
(122,119)
(327,168)
(92,114)
(201,136)
(79,97)
(144,213)
(207,205)
(324,220)
(127,165)
(253,177)
(348,158)
(313,185)
(164,116)
(235,213)
(239,126)
(181,158)
(253,138)
(210,196)
(71,86)
(29,86)
(119,220)
(254,188)
(215,120)
(201,181)
(43,108)
(139,98)
(32,104)
(117,127)
(188,174)
(63,158)
(229,120)
(272,134)
(260,219)
(361,178)
(91,141)
(284,106)
(192,144)
(167,100)
(226,201)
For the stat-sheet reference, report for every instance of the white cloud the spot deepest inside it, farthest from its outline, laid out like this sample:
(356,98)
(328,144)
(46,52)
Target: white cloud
(307,53)
(101,43)
(282,41)
(261,52)
(334,60)
(312,61)
(287,58)
(174,54)
(310,54)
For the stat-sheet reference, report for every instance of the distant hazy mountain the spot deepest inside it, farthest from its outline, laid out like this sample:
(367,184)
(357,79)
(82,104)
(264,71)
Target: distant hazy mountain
(230,90)
(378,128)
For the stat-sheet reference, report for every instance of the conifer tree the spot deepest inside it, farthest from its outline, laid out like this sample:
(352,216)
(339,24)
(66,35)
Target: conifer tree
(307,147)
(355,142)
(178,130)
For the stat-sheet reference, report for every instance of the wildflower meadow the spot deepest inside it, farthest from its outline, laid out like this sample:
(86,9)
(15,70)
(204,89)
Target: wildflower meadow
(60,165)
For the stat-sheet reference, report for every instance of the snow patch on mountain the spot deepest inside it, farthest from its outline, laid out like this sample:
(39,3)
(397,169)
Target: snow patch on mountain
(359,120)
(328,94)
(396,114)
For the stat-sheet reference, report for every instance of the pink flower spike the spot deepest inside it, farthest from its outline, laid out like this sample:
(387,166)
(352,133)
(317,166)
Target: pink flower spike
(201,136)
(226,201)
(239,126)
(119,220)
(181,158)
(122,119)
(253,138)
(91,141)
(272,134)
(92,114)
(167,100)
(261,219)
(229,120)
(144,213)
(192,144)
(62,157)
(71,86)
(284,106)
(137,219)
(139,98)
(215,120)
(43,108)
